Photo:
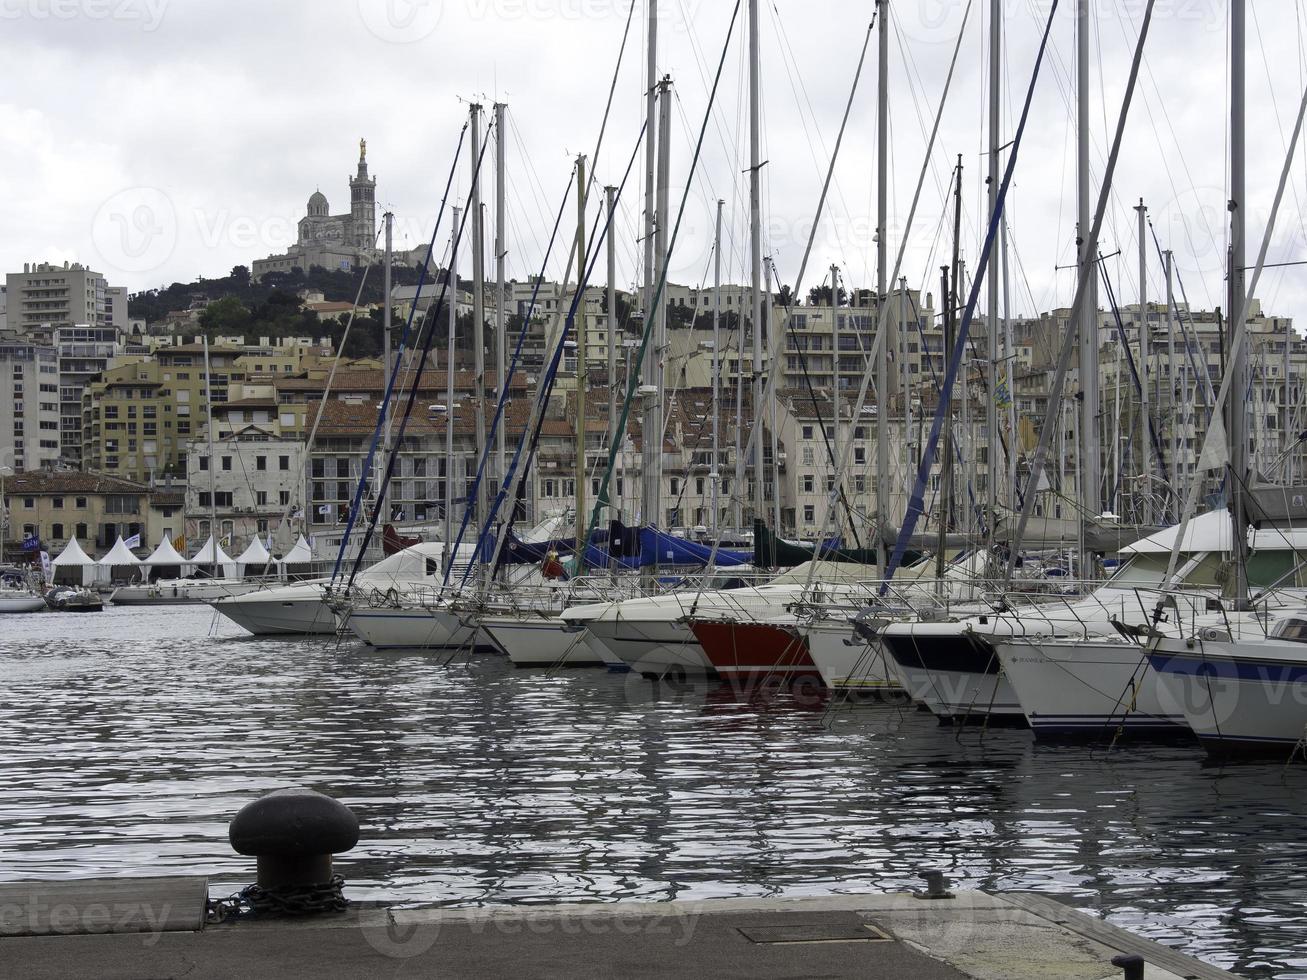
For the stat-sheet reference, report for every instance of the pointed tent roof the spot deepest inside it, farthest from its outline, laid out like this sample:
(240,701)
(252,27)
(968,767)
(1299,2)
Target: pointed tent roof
(255,554)
(301,554)
(205,556)
(73,555)
(120,554)
(166,554)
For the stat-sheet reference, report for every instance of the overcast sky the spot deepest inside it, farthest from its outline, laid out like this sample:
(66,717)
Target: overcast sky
(161,140)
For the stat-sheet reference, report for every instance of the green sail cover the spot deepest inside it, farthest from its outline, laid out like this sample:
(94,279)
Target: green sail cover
(770,551)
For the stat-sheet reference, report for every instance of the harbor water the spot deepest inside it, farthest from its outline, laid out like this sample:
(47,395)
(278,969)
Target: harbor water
(132,736)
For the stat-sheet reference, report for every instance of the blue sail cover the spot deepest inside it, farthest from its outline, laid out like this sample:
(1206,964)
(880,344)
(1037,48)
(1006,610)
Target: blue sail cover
(664,549)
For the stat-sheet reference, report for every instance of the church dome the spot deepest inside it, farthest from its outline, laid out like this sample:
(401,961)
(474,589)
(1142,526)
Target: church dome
(318,207)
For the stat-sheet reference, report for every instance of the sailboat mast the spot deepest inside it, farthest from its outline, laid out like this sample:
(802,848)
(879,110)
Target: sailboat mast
(451,278)
(478,302)
(660,245)
(208,428)
(1145,442)
(501,256)
(882,217)
(610,201)
(387,368)
(946,442)
(1236,410)
(991,403)
(835,364)
(715,474)
(1172,383)
(775,471)
(755,252)
(1090,481)
(579,306)
(651,445)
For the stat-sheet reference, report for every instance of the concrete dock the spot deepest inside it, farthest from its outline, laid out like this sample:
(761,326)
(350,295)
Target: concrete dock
(973,934)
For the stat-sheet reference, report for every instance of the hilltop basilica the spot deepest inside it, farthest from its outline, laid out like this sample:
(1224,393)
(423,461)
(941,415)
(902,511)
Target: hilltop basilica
(333,241)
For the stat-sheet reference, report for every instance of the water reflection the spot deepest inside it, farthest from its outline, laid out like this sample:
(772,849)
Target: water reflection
(133,736)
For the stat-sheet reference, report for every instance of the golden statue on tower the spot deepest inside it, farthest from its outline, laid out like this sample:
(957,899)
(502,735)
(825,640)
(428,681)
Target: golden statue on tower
(363,149)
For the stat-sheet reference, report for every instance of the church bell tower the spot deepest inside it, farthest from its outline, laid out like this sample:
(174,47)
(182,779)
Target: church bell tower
(363,203)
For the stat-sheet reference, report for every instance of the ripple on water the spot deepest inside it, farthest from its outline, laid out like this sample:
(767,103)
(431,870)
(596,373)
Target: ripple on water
(133,736)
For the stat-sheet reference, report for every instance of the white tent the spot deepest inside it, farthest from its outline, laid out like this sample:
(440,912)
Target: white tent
(166,554)
(212,553)
(119,554)
(255,558)
(166,562)
(121,560)
(74,566)
(301,554)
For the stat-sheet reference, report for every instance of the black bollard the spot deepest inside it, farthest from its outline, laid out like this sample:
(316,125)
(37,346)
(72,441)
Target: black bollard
(936,886)
(1132,965)
(293,833)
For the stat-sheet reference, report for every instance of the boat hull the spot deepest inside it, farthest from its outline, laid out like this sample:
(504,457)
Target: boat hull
(953,673)
(753,650)
(22,603)
(412,628)
(1237,701)
(301,615)
(540,642)
(849,663)
(1088,689)
(179,593)
(653,647)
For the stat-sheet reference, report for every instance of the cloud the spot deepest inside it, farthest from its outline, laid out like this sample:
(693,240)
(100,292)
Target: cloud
(236,112)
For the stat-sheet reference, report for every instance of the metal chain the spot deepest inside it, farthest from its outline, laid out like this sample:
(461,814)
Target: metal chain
(255,901)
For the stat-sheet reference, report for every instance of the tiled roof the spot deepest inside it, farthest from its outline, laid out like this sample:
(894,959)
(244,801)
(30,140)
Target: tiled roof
(48,482)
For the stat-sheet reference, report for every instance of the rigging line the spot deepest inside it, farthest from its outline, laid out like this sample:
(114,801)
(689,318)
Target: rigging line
(1239,323)
(1209,394)
(914,509)
(791,70)
(505,387)
(878,346)
(601,499)
(433,319)
(774,373)
(382,416)
(1153,433)
(286,516)
(530,438)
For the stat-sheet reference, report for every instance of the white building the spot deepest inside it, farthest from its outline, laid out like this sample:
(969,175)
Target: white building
(255,479)
(29,387)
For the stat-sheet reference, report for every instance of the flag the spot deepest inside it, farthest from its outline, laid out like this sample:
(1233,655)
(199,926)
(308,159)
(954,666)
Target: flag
(31,542)
(269,544)
(47,570)
(325,509)
(134,541)
(1002,394)
(179,542)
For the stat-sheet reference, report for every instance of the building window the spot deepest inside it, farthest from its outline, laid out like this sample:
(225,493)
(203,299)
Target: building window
(260,463)
(261,498)
(283,497)
(226,463)
(283,462)
(809,514)
(58,504)
(204,462)
(81,530)
(807,483)
(57,532)
(81,503)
